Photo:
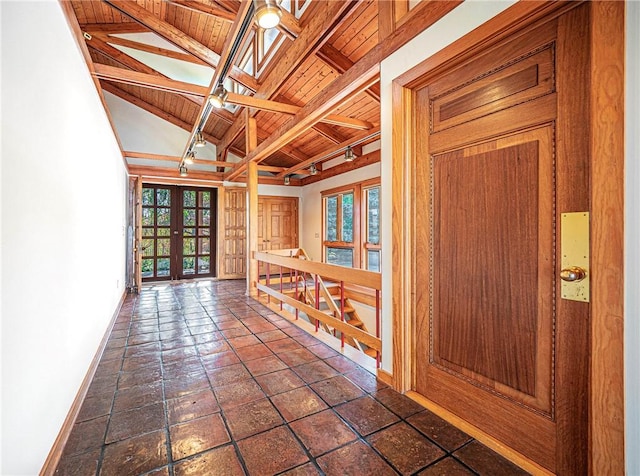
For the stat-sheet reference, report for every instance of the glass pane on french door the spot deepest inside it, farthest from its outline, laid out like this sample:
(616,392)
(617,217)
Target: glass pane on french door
(178,236)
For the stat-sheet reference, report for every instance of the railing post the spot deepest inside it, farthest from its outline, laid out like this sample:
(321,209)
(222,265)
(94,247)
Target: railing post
(281,287)
(317,300)
(297,310)
(342,312)
(378,325)
(268,281)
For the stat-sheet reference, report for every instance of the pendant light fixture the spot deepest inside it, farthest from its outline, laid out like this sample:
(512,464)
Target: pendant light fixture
(188,160)
(199,141)
(313,169)
(183,171)
(268,13)
(219,96)
(287,180)
(348,155)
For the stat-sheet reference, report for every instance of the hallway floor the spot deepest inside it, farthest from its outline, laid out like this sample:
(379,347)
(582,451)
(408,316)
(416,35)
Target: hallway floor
(197,379)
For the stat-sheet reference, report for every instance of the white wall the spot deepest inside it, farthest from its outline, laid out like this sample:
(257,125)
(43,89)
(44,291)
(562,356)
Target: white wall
(463,19)
(311,207)
(63,222)
(632,240)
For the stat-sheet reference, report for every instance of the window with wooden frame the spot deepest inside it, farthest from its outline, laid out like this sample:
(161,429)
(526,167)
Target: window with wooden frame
(351,225)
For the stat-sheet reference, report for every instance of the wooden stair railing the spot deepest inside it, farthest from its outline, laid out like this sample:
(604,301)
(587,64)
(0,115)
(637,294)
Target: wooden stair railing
(332,313)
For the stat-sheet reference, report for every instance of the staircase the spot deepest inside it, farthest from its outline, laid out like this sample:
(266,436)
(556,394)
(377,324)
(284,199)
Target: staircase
(311,289)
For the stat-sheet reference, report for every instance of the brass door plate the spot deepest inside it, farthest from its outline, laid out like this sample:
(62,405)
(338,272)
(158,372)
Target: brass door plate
(574,247)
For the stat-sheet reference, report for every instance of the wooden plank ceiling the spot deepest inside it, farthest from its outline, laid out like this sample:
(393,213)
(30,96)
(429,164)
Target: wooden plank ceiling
(312,93)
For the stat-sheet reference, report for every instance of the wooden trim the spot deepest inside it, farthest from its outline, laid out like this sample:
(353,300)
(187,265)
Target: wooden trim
(138,235)
(360,277)
(607,237)
(367,339)
(487,440)
(53,458)
(385,377)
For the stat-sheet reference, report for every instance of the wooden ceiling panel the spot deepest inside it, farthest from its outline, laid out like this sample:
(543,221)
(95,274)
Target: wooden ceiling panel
(312,76)
(358,35)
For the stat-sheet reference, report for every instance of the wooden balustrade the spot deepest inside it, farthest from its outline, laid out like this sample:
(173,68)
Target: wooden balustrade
(296,271)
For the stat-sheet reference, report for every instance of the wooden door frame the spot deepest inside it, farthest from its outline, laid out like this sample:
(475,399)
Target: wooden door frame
(606,122)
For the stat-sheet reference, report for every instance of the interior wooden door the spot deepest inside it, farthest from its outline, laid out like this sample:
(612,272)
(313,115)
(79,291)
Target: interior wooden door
(277,225)
(233,233)
(500,154)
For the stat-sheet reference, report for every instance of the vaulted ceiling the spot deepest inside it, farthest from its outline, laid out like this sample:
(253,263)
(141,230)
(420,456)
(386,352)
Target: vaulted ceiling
(311,85)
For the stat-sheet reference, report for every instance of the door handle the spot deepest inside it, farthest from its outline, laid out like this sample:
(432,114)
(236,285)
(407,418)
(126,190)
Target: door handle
(573,274)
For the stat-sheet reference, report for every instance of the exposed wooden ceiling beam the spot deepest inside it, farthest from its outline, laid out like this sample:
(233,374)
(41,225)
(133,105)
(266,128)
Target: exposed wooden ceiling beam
(178,38)
(145,80)
(112,73)
(136,45)
(172,158)
(330,153)
(310,39)
(152,171)
(367,159)
(199,7)
(358,78)
(113,28)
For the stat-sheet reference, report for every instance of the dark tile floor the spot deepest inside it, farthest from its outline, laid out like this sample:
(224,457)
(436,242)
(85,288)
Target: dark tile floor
(198,379)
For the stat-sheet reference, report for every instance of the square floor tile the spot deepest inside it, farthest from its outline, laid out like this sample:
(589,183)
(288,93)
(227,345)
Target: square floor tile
(355,459)
(446,467)
(279,382)
(217,462)
(185,385)
(244,341)
(253,352)
(323,351)
(132,423)
(337,390)
(297,357)
(283,345)
(135,456)
(84,464)
(272,452)
(191,406)
(406,449)
(307,469)
(265,365)
(342,364)
(252,418)
(399,404)
(138,396)
(228,375)
(298,403)
(87,435)
(438,430)
(238,393)
(270,336)
(365,380)
(196,436)
(315,371)
(322,432)
(366,415)
(485,461)
(215,361)
(213,347)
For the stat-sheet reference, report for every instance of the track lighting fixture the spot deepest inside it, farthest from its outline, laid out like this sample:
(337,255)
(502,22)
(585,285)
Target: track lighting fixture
(348,155)
(313,169)
(188,160)
(219,96)
(268,13)
(183,171)
(287,180)
(199,140)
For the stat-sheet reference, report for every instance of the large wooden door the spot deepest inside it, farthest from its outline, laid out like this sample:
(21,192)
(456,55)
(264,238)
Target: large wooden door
(501,153)
(277,225)
(233,233)
(177,232)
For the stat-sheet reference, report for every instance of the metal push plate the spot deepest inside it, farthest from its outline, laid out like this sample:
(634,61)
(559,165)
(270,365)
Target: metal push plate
(574,246)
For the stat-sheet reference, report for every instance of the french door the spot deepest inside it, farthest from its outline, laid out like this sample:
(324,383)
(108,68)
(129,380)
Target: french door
(178,232)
